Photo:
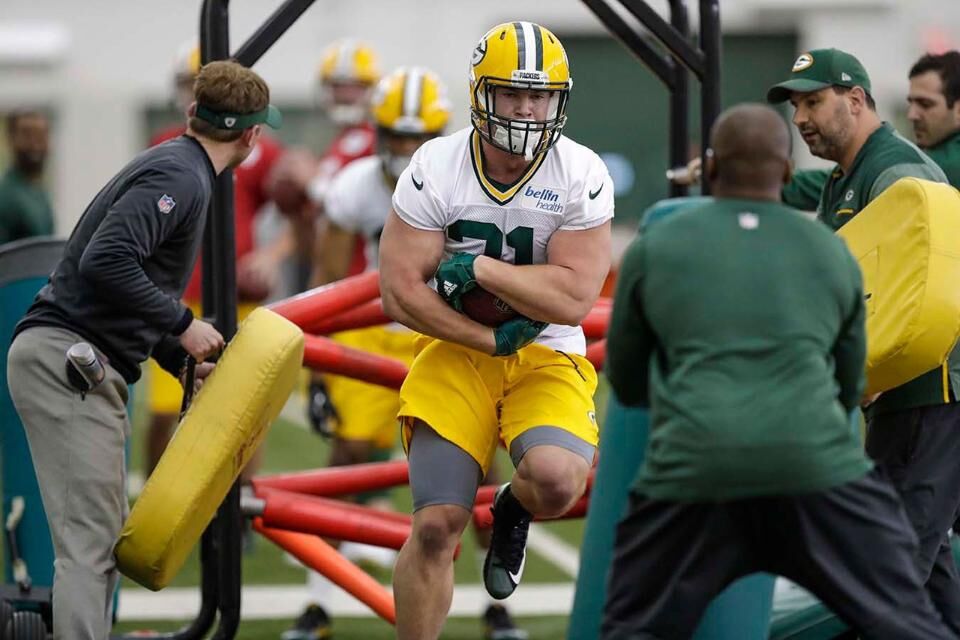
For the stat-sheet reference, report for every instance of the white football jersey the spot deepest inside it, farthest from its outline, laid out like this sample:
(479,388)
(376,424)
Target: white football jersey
(358,200)
(445,188)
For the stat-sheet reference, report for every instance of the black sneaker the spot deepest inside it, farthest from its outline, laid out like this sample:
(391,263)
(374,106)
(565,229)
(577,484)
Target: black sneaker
(313,624)
(499,626)
(507,554)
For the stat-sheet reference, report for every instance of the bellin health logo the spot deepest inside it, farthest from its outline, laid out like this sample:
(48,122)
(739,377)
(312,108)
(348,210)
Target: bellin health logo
(545,199)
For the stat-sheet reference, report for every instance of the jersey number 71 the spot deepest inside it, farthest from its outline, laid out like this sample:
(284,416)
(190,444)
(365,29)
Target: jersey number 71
(520,239)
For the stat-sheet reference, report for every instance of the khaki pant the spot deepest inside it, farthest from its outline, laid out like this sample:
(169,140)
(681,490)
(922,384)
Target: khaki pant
(77,445)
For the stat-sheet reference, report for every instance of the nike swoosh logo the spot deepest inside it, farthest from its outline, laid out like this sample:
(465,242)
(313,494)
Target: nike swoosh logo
(419,185)
(593,194)
(519,574)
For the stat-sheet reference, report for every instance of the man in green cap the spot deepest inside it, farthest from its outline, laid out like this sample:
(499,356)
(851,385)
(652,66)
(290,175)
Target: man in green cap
(913,431)
(934,112)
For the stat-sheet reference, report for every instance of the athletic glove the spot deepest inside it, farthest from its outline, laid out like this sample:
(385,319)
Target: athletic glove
(515,334)
(455,277)
(322,414)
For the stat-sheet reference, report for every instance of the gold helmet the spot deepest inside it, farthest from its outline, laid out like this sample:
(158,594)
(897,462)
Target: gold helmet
(186,66)
(412,103)
(519,55)
(353,66)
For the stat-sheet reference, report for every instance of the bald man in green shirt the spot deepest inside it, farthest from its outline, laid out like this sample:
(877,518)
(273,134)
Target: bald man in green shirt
(913,431)
(740,323)
(24,204)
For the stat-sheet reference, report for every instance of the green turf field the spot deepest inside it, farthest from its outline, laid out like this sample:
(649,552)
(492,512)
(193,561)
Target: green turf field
(292,447)
(541,628)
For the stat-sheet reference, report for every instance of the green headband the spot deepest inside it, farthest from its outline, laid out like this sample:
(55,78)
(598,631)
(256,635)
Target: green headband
(239,121)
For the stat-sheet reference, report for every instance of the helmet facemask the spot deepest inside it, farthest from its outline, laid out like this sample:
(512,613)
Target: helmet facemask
(396,148)
(518,136)
(409,107)
(346,102)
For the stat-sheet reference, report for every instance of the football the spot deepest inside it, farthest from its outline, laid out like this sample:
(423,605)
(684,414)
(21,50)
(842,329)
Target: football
(289,179)
(251,287)
(484,307)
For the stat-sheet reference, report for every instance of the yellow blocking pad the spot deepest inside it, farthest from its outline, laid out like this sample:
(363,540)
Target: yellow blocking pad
(164,393)
(907,242)
(225,424)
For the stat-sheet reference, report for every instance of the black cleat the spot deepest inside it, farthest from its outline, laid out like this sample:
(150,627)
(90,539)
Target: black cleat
(313,624)
(507,554)
(499,626)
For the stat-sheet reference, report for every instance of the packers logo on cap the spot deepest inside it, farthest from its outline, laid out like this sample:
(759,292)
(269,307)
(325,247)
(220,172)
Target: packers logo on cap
(803,62)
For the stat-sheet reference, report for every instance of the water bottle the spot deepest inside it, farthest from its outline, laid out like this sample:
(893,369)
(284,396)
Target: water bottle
(86,363)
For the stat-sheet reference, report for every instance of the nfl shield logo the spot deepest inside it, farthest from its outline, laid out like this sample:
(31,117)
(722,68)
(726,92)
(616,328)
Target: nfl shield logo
(166,204)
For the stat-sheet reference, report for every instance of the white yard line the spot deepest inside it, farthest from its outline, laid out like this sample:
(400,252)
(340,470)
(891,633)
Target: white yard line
(276,602)
(554,549)
(295,411)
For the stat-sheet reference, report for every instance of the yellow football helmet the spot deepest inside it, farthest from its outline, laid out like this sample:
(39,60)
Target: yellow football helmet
(348,71)
(186,66)
(410,103)
(519,55)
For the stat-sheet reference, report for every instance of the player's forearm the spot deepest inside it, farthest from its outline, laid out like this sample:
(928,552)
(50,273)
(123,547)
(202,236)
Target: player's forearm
(329,268)
(550,293)
(419,307)
(285,244)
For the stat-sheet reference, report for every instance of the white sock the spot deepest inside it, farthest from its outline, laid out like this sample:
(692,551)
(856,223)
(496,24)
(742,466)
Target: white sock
(358,551)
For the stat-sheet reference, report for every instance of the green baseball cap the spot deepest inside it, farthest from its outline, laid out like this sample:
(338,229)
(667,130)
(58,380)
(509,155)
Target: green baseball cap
(239,121)
(819,69)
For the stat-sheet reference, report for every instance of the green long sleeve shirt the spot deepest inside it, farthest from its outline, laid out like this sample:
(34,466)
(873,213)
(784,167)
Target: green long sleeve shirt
(24,208)
(741,325)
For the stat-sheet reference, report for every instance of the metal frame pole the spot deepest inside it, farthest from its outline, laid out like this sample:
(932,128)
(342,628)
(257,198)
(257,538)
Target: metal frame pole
(679,100)
(710,44)
(671,69)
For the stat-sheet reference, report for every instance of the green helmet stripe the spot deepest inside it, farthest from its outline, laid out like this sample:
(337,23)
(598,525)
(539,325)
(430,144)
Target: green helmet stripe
(538,39)
(521,45)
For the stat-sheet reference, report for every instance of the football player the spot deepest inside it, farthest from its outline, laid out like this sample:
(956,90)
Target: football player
(349,71)
(514,207)
(409,107)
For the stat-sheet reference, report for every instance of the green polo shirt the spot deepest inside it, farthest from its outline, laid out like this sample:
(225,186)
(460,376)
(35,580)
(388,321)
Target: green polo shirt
(25,209)
(947,155)
(805,188)
(885,158)
(740,323)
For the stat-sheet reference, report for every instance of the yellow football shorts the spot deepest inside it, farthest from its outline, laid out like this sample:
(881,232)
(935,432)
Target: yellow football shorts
(368,411)
(164,391)
(477,401)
